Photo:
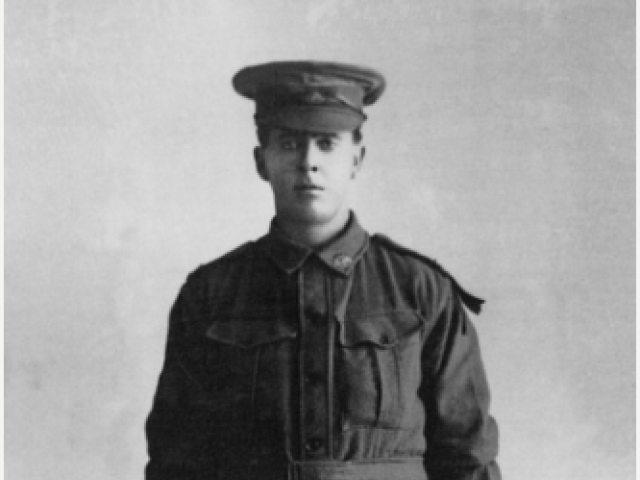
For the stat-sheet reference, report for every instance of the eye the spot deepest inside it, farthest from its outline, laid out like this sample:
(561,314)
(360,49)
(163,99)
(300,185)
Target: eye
(288,144)
(326,144)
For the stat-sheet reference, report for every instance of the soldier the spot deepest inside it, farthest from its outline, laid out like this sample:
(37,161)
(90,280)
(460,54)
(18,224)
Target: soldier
(320,352)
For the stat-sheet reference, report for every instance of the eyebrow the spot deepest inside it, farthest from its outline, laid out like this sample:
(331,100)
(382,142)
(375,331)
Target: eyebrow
(304,133)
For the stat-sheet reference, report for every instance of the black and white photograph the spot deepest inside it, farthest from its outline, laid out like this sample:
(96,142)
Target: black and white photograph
(320,240)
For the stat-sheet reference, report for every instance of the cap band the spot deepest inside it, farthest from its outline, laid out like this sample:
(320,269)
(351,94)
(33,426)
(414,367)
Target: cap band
(313,119)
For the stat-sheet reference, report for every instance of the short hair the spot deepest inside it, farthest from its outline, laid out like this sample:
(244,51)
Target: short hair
(264,132)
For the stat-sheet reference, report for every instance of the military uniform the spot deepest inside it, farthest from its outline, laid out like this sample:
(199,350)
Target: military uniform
(352,361)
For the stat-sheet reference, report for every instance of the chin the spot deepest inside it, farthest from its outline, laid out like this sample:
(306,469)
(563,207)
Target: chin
(312,217)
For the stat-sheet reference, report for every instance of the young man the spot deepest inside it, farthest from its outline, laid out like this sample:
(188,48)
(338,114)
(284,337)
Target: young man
(319,352)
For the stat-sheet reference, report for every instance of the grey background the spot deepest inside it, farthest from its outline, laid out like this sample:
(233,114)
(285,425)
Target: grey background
(504,148)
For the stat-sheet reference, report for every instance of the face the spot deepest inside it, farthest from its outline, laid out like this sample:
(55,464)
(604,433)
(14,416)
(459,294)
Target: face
(310,174)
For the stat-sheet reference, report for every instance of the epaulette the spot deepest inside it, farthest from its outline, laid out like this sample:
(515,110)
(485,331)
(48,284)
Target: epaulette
(472,302)
(237,251)
(227,256)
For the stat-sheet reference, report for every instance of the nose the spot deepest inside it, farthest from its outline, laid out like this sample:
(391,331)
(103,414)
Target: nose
(309,157)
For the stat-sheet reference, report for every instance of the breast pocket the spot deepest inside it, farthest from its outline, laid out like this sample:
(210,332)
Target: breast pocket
(234,358)
(380,357)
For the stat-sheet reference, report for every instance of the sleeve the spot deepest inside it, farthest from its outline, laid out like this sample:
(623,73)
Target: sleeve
(462,438)
(175,425)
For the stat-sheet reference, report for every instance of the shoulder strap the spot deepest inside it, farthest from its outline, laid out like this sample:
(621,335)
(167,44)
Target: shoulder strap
(203,268)
(472,302)
(239,250)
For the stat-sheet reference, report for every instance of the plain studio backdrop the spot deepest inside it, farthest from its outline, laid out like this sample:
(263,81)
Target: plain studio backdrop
(503,148)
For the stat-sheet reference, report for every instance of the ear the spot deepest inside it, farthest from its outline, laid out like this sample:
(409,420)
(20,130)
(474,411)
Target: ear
(258,155)
(358,160)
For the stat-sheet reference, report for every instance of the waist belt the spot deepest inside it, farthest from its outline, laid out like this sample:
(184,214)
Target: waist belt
(387,469)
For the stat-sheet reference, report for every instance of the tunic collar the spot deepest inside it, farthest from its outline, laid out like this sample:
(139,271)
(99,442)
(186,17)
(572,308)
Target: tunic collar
(340,255)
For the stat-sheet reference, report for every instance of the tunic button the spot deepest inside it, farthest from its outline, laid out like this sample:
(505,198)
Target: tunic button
(313,314)
(313,445)
(313,378)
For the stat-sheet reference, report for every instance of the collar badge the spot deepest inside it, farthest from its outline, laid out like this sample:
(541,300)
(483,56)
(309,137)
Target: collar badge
(342,261)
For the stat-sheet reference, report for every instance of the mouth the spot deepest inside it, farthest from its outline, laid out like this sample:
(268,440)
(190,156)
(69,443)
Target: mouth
(307,187)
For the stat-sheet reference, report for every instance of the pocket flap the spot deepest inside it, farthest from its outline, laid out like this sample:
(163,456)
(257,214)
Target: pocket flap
(248,333)
(382,330)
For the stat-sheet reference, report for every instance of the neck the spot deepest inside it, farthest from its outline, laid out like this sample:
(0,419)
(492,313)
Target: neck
(313,235)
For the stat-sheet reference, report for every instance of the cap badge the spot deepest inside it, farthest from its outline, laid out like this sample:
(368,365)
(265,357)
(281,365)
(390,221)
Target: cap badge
(315,98)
